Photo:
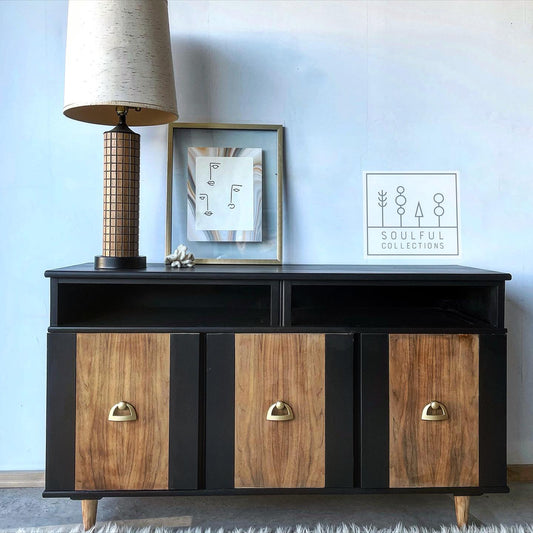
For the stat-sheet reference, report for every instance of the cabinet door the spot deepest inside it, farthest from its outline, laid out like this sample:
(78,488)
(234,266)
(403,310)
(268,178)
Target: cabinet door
(434,447)
(133,421)
(128,454)
(279,411)
(431,414)
(288,369)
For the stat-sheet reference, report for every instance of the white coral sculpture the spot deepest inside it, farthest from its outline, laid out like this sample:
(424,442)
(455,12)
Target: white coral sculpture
(180,257)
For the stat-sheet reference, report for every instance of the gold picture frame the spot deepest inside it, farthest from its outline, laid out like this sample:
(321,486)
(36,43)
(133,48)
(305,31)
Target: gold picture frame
(181,190)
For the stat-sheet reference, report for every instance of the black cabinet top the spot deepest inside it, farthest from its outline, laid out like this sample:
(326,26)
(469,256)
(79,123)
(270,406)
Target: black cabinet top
(287,272)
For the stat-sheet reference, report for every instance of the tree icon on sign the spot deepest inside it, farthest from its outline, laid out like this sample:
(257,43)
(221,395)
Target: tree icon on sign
(400,200)
(438,198)
(418,213)
(382,202)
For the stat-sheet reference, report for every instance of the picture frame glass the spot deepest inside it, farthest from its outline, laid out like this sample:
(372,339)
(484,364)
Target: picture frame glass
(224,192)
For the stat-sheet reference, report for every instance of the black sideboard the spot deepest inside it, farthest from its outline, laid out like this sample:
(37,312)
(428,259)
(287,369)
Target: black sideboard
(276,379)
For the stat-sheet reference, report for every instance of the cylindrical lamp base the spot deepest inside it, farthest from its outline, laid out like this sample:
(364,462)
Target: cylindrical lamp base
(116,263)
(121,193)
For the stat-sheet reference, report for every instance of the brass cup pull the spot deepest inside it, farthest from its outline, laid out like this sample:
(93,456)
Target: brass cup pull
(115,416)
(279,412)
(435,411)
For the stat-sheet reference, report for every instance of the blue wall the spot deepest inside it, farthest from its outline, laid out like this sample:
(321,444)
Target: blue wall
(366,85)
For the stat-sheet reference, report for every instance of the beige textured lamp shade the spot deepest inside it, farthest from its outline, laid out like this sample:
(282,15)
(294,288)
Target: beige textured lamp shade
(118,54)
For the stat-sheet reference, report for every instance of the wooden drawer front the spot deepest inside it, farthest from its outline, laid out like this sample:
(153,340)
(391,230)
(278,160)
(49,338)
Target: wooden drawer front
(129,455)
(289,368)
(423,368)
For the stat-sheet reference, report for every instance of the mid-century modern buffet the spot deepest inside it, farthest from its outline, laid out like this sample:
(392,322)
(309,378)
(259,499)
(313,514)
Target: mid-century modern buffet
(275,379)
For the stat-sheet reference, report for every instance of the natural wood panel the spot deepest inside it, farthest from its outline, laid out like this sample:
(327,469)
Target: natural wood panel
(122,367)
(423,368)
(268,368)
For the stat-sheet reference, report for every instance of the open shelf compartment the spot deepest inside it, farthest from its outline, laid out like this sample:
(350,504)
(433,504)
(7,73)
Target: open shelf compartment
(394,306)
(163,305)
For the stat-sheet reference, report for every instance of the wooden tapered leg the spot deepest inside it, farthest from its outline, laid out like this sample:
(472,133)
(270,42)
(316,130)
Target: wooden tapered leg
(88,513)
(461,509)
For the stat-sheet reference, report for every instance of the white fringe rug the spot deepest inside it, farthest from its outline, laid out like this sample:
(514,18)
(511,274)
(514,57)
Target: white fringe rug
(319,528)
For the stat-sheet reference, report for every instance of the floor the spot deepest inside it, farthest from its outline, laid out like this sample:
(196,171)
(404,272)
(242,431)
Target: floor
(26,508)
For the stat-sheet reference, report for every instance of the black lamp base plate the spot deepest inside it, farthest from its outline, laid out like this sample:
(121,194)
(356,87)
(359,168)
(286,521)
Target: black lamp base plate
(116,263)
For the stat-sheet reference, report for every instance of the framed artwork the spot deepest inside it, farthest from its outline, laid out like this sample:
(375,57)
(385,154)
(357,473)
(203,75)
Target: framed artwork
(224,191)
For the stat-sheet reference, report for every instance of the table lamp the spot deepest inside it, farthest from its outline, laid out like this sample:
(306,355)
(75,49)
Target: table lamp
(118,69)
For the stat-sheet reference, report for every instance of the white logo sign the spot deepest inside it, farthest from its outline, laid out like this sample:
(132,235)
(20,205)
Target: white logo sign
(410,213)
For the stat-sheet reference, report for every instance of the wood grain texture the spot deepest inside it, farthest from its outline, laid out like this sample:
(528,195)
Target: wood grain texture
(290,368)
(423,368)
(121,194)
(462,504)
(11,479)
(89,508)
(110,368)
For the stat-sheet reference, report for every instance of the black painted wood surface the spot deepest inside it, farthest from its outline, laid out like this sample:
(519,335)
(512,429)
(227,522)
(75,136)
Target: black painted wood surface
(457,491)
(356,306)
(60,411)
(220,409)
(492,410)
(287,272)
(374,411)
(184,412)
(339,420)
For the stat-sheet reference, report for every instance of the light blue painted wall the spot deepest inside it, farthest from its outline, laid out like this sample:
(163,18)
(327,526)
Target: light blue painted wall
(388,85)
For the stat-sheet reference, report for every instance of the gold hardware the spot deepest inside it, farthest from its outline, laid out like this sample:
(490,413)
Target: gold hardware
(122,406)
(434,411)
(283,412)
